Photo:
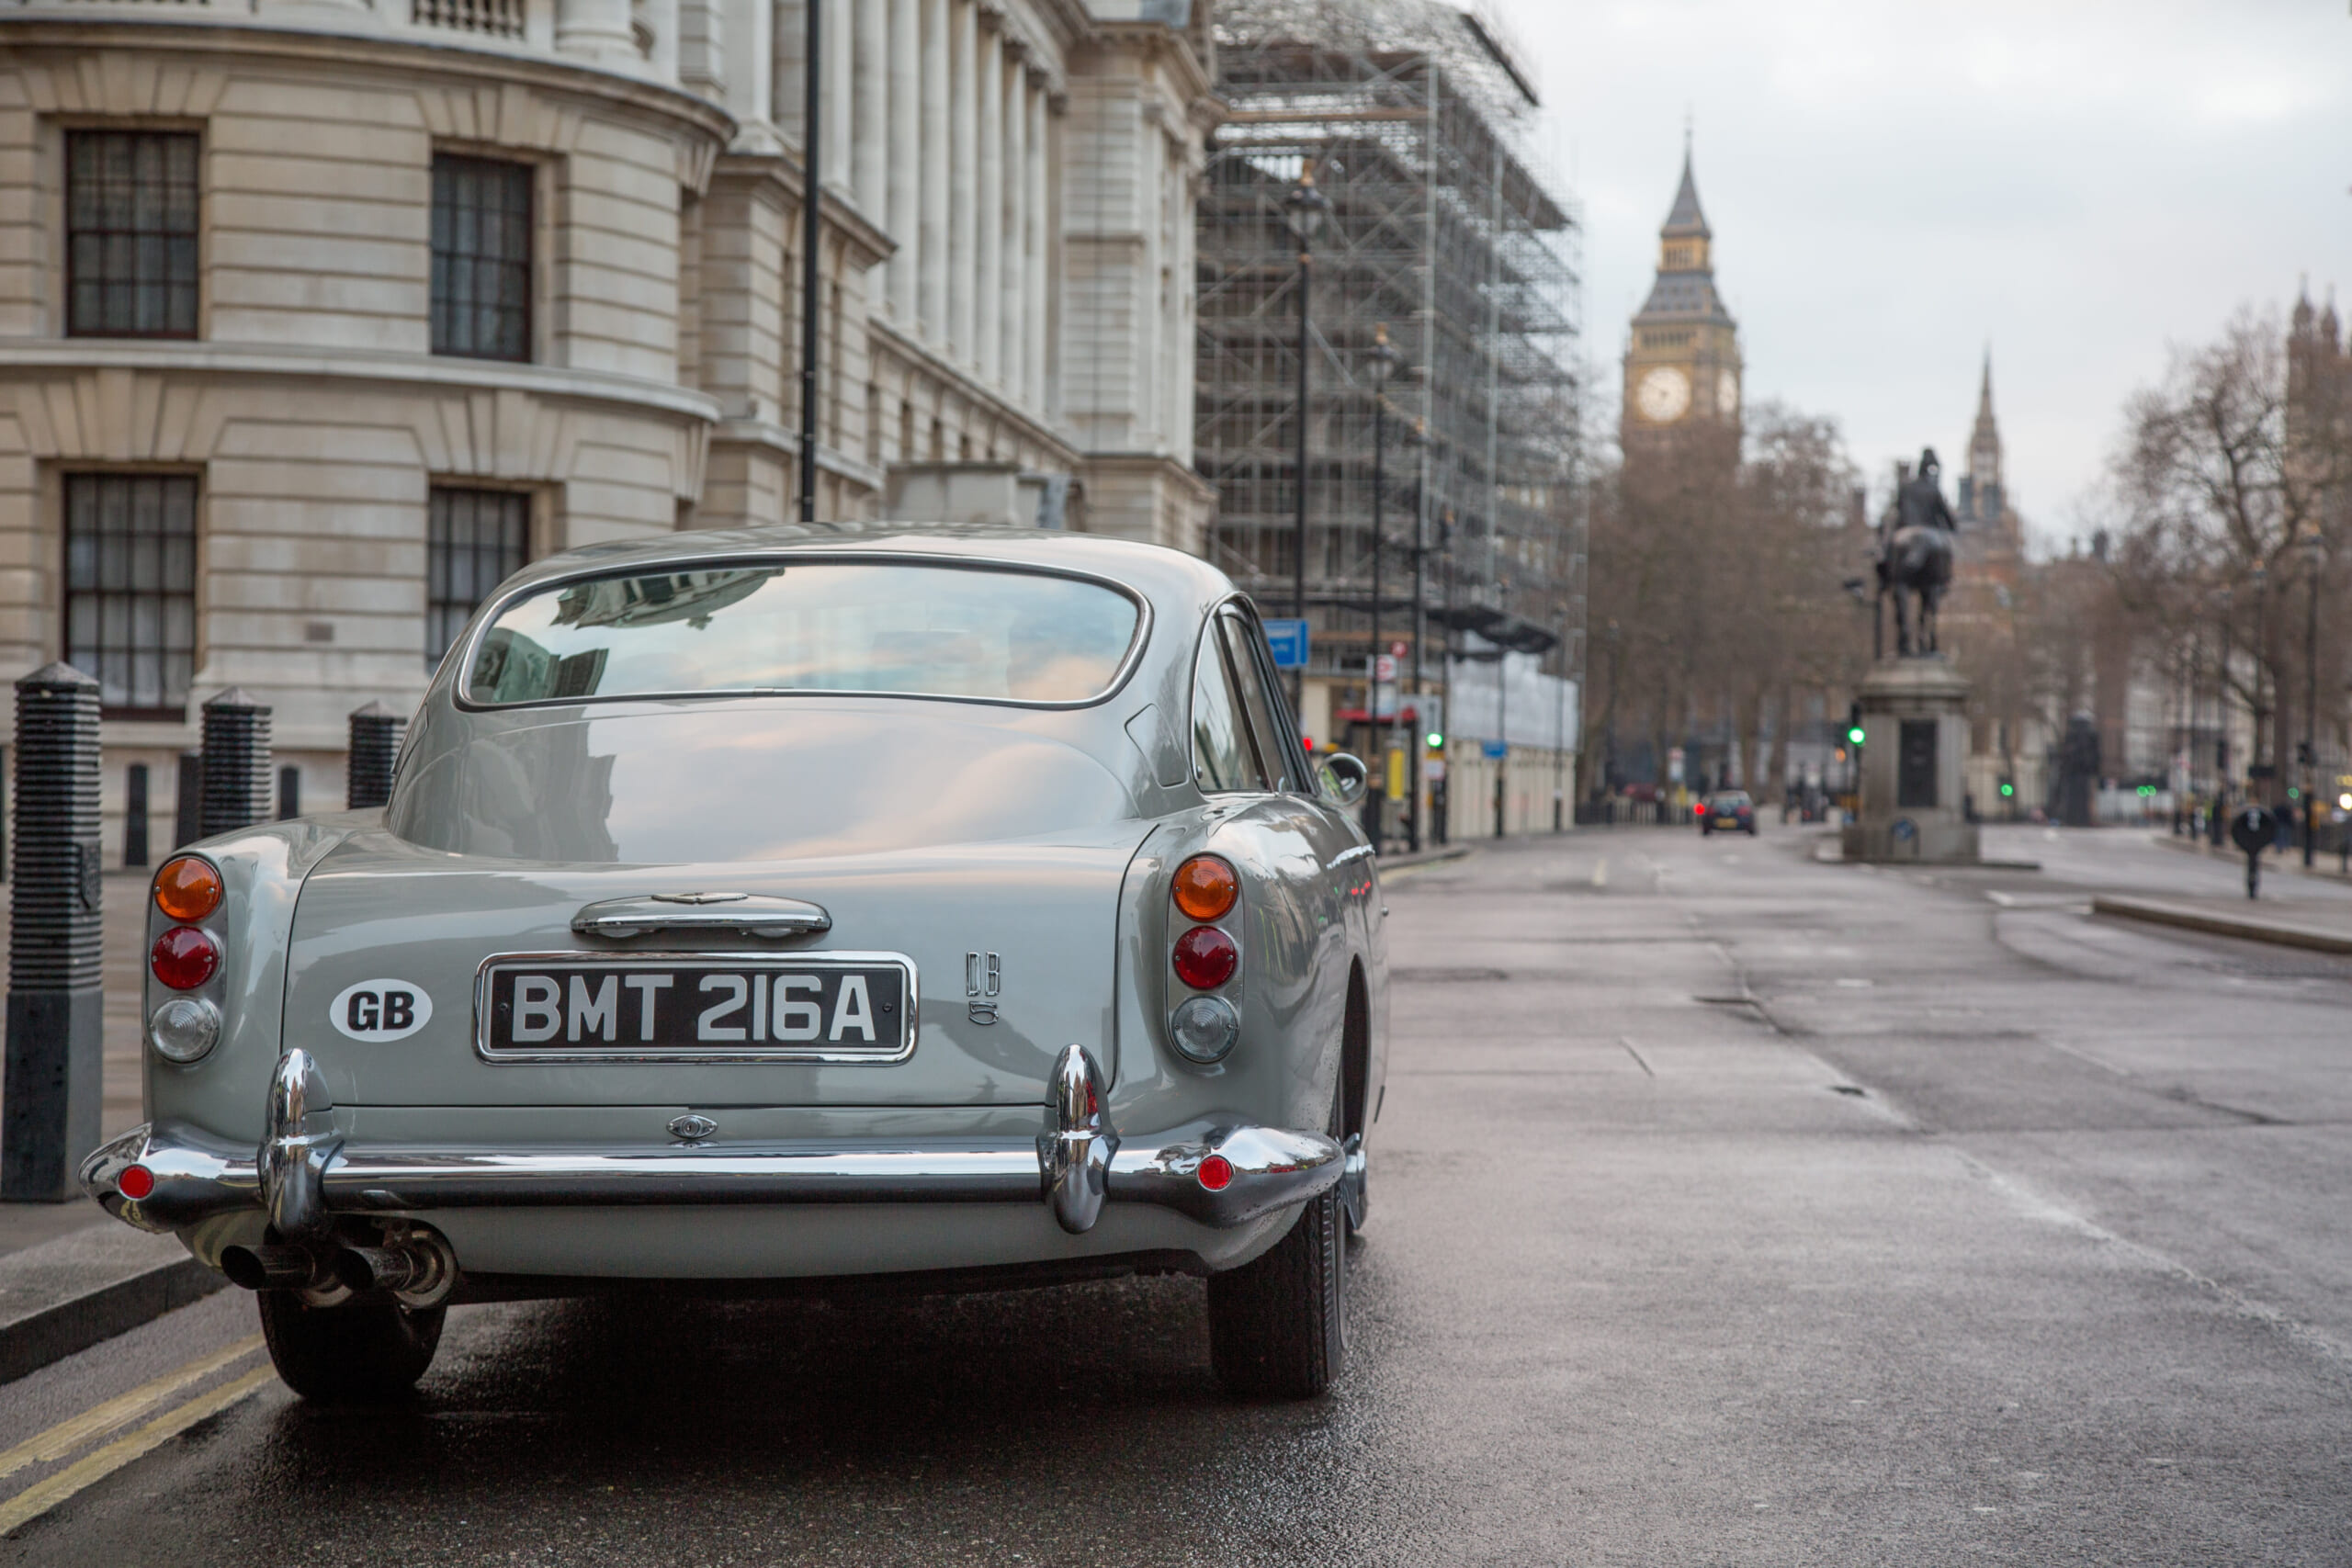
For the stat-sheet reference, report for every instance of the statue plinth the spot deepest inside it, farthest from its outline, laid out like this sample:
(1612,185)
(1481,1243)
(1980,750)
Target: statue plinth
(1914,738)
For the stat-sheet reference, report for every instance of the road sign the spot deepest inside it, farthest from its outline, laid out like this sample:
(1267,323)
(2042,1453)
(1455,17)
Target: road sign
(1383,668)
(1288,641)
(1493,750)
(1398,650)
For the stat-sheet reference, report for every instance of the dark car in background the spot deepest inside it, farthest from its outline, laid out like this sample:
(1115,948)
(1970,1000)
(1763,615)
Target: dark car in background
(1727,811)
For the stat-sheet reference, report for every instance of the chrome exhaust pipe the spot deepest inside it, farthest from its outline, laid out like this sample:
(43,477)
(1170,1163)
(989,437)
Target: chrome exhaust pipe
(273,1267)
(416,1266)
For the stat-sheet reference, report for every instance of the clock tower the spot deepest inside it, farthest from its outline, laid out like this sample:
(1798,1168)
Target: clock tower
(1683,363)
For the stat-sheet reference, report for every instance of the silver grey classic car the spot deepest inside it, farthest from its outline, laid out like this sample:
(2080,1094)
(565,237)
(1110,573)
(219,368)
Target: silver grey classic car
(762,910)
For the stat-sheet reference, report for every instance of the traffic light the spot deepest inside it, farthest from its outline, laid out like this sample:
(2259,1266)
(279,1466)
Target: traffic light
(1436,740)
(1854,723)
(2007,789)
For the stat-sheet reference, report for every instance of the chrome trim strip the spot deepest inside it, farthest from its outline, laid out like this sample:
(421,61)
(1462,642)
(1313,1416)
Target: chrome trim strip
(461,681)
(578,957)
(198,1175)
(745,914)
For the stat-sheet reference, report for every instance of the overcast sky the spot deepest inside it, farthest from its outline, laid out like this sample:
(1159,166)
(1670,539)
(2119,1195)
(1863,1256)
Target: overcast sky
(1894,182)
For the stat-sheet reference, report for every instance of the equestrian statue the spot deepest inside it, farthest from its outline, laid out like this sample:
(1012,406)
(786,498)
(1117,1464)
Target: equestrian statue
(1915,556)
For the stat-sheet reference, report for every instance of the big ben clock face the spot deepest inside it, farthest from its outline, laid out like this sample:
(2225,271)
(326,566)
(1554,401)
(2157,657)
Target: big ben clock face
(1727,393)
(1664,395)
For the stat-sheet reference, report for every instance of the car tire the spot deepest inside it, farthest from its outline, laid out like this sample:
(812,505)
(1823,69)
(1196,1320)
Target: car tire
(1278,1324)
(367,1350)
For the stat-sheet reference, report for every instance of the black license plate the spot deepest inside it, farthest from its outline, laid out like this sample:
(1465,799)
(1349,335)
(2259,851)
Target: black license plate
(827,1008)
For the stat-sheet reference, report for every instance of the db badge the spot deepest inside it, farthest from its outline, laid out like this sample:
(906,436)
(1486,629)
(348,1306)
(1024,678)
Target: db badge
(378,1011)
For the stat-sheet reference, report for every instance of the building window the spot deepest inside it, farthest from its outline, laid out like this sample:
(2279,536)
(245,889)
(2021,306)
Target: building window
(131,589)
(476,540)
(481,258)
(131,199)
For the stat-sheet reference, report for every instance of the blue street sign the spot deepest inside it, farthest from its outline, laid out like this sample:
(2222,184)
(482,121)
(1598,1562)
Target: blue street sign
(1288,640)
(1495,750)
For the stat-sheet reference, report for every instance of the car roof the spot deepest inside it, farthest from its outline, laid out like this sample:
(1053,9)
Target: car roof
(1166,576)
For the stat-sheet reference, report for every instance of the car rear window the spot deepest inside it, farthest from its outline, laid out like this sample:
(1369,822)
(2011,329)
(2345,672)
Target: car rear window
(985,634)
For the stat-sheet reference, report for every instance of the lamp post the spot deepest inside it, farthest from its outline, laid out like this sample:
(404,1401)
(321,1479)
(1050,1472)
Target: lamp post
(1418,439)
(1384,364)
(2260,577)
(812,201)
(2312,552)
(1304,210)
(2221,718)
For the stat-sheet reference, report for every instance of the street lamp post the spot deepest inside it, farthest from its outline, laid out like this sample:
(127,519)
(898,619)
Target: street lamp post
(1419,439)
(2309,756)
(2260,577)
(1304,209)
(2220,718)
(1384,364)
(812,202)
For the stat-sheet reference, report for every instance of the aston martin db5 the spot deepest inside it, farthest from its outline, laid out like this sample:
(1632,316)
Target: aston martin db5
(767,910)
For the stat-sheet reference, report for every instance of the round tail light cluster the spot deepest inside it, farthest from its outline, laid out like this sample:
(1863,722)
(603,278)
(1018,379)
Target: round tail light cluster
(186,890)
(135,1182)
(1204,888)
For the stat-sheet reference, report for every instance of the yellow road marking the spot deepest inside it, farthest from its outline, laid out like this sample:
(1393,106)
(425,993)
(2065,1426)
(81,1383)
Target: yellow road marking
(99,1419)
(40,1497)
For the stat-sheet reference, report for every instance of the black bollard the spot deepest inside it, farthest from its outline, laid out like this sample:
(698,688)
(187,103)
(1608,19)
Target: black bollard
(56,996)
(236,763)
(134,815)
(374,746)
(188,819)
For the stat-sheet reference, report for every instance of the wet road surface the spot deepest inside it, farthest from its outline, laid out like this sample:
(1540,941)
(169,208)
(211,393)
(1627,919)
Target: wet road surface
(1727,1208)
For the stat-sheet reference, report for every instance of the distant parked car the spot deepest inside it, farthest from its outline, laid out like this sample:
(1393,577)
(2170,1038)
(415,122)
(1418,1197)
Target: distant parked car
(1727,811)
(900,911)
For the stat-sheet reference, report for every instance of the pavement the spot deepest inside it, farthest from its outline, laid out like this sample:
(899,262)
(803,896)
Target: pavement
(1726,1208)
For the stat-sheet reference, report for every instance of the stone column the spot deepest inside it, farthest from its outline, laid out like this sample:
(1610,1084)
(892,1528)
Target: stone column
(1013,324)
(840,89)
(963,117)
(787,36)
(906,156)
(870,154)
(236,761)
(987,346)
(932,221)
(368,766)
(1039,346)
(593,29)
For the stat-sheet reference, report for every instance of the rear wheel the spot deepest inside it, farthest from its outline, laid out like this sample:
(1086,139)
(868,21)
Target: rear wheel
(1278,1324)
(367,1350)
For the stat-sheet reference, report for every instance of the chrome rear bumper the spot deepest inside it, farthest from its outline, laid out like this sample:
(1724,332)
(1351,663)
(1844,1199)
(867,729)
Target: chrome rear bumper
(303,1175)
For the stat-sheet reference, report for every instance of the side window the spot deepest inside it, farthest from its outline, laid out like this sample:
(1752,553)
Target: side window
(1264,709)
(1224,759)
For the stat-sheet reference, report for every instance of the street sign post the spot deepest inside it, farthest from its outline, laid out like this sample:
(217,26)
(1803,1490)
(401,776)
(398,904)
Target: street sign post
(1287,638)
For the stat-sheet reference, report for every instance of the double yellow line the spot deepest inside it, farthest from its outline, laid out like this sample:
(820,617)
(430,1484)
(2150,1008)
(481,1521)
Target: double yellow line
(100,1419)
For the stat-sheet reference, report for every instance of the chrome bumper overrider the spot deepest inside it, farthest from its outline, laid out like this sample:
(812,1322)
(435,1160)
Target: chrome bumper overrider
(303,1174)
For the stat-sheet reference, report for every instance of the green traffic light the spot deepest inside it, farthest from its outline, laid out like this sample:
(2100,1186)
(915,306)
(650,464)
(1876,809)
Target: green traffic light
(2009,789)
(1855,735)
(1435,738)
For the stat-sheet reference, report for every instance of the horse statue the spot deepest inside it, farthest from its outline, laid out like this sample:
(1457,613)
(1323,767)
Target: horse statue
(1915,556)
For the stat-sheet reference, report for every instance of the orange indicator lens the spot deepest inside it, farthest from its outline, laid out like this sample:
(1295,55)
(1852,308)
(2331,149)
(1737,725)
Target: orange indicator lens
(187,888)
(1205,888)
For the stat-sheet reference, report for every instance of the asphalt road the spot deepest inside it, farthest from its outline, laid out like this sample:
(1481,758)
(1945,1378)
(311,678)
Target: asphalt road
(1728,1208)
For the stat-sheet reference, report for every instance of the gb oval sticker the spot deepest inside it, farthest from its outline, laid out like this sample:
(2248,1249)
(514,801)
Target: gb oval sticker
(378,1011)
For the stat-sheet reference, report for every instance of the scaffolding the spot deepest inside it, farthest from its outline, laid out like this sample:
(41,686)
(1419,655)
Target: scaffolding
(1447,229)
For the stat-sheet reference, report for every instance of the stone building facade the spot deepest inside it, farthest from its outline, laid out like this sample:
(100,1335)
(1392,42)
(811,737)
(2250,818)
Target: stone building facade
(317,318)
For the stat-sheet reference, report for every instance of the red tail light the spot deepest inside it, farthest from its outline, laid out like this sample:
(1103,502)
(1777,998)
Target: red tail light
(183,958)
(135,1182)
(1701,809)
(1216,1173)
(1205,958)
